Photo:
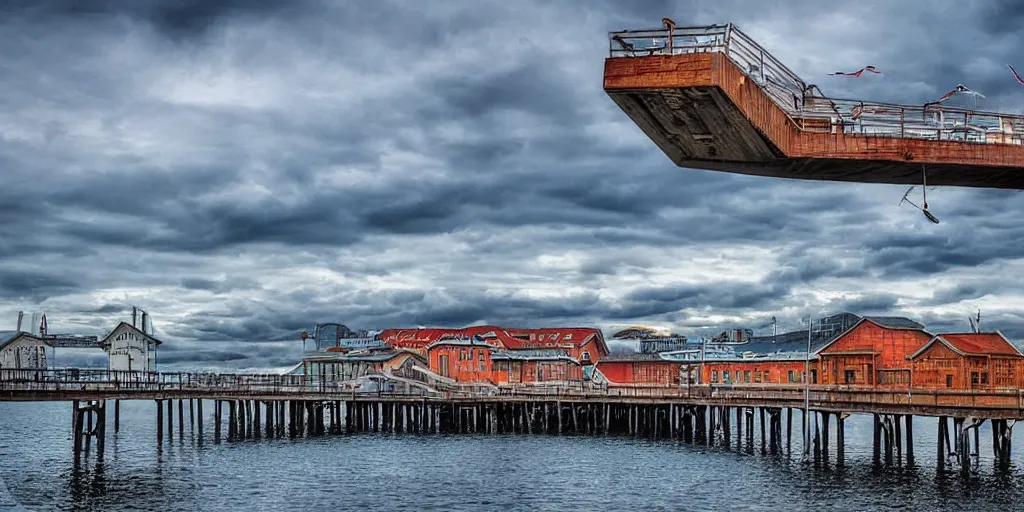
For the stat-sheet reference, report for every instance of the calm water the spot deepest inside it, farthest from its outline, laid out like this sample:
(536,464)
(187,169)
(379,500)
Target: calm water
(380,472)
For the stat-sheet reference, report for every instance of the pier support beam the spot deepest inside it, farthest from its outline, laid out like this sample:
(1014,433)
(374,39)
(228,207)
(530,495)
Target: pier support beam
(159,422)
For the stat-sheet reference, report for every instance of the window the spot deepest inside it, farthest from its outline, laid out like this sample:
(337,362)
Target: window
(984,378)
(567,337)
(725,376)
(849,376)
(766,378)
(443,366)
(586,356)
(481,358)
(714,376)
(792,376)
(746,376)
(757,377)
(974,379)
(949,381)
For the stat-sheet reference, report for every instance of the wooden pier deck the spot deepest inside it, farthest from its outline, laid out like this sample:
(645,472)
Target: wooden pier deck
(297,404)
(712,98)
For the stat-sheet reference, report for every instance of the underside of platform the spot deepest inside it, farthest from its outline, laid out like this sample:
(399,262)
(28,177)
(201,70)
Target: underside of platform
(705,113)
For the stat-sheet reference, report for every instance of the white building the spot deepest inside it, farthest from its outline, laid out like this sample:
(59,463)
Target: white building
(129,348)
(22,351)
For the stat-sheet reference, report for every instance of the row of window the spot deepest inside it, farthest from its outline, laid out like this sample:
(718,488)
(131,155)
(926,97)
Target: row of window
(757,377)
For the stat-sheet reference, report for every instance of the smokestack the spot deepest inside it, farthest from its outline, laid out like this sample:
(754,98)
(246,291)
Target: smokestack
(21,316)
(145,318)
(34,326)
(134,314)
(42,325)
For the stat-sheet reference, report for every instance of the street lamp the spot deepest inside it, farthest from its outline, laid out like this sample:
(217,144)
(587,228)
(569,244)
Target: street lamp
(807,391)
(807,385)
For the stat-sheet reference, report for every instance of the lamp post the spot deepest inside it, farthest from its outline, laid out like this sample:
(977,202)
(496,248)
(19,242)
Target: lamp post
(807,392)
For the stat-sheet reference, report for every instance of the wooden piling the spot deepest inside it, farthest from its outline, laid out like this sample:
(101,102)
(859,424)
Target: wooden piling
(763,450)
(159,422)
(840,439)
(789,430)
(217,419)
(101,428)
(117,416)
(877,440)
(199,420)
(909,420)
(76,431)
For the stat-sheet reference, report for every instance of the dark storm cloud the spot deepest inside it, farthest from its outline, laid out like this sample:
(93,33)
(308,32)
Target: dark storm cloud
(243,170)
(32,285)
(173,18)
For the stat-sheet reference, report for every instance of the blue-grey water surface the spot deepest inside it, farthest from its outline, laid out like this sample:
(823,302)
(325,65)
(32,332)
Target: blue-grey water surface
(463,472)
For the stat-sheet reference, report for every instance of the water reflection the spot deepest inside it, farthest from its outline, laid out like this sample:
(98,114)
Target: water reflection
(465,472)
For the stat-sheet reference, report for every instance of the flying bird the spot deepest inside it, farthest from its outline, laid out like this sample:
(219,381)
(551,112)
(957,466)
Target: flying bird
(856,74)
(959,89)
(1015,75)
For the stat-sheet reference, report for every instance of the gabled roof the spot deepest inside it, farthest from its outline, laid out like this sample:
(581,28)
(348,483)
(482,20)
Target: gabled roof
(374,356)
(895,322)
(973,344)
(8,337)
(106,339)
(543,354)
(885,322)
(471,341)
(557,337)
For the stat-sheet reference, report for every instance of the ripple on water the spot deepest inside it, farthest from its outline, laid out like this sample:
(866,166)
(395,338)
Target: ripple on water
(369,472)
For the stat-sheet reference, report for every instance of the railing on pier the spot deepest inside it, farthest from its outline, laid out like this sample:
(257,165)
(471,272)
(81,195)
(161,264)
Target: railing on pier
(806,106)
(99,381)
(128,383)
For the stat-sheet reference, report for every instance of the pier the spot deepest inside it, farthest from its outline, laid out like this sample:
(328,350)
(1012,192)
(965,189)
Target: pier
(755,418)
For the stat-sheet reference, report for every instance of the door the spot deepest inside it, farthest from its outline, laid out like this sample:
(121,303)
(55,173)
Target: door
(443,363)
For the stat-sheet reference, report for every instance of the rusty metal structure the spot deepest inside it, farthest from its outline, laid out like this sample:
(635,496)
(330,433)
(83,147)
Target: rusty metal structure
(712,98)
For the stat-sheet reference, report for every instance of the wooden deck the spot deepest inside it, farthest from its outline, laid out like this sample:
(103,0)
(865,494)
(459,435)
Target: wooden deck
(705,111)
(100,385)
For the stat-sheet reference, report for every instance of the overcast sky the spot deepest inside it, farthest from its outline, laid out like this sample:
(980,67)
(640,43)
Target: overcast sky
(244,172)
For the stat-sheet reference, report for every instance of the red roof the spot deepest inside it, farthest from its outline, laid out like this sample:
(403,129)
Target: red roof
(568,337)
(988,343)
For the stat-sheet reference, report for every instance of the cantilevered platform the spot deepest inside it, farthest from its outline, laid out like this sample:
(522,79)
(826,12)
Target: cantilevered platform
(712,98)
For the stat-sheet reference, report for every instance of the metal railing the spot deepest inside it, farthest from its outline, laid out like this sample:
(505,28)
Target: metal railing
(806,106)
(124,384)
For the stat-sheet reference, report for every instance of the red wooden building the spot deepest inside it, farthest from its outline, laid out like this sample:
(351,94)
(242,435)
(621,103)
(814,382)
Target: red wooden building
(874,352)
(967,361)
(756,371)
(645,370)
(535,366)
(462,359)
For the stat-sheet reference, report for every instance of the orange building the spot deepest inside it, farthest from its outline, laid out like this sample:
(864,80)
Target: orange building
(966,361)
(647,370)
(874,352)
(462,359)
(757,371)
(338,366)
(535,366)
(583,344)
